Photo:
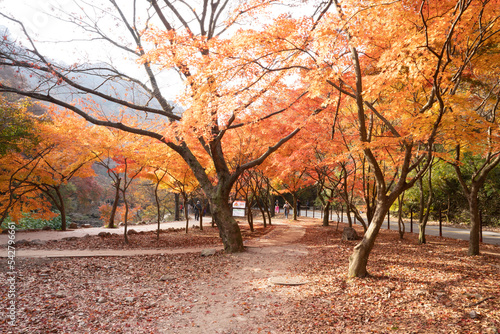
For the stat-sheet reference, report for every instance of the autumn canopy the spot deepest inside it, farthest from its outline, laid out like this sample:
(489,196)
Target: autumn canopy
(360,96)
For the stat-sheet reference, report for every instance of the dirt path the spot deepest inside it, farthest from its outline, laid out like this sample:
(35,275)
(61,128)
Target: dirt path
(240,302)
(81,232)
(237,300)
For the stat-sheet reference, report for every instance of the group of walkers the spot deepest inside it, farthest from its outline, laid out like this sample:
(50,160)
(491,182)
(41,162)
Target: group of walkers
(286,208)
(200,210)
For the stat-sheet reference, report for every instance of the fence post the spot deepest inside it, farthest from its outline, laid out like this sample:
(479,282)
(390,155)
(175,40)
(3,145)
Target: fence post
(411,220)
(440,224)
(480,226)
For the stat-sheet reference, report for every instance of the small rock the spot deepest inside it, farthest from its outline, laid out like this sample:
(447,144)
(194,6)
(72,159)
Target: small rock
(121,224)
(22,242)
(70,238)
(38,242)
(86,226)
(349,233)
(60,294)
(167,278)
(473,314)
(208,252)
(46,228)
(420,292)
(104,234)
(73,226)
(131,231)
(130,299)
(101,300)
(288,281)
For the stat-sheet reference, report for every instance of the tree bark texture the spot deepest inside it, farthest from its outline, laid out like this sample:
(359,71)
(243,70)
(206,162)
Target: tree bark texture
(359,258)
(111,223)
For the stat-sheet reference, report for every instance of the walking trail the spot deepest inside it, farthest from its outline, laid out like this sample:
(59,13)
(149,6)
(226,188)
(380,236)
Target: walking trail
(237,302)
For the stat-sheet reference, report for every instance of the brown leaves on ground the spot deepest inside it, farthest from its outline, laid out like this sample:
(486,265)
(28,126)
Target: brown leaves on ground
(431,288)
(169,238)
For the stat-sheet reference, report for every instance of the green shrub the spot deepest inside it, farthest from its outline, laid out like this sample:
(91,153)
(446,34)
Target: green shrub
(27,222)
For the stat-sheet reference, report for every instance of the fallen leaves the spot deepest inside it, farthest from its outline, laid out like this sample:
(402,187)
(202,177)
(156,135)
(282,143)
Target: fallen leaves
(432,288)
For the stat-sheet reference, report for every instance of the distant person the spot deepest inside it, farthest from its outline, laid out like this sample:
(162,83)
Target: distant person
(197,210)
(298,208)
(277,207)
(286,207)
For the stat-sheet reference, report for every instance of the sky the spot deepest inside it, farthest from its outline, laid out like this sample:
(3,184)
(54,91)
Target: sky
(38,18)
(48,32)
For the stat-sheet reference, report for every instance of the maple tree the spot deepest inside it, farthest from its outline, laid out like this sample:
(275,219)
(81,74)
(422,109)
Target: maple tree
(262,189)
(156,175)
(120,153)
(88,192)
(15,125)
(104,151)
(477,152)
(230,82)
(397,70)
(254,188)
(130,170)
(171,172)
(17,133)
(17,196)
(61,153)
(400,85)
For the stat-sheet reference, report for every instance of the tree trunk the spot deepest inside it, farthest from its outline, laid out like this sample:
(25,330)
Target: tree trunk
(262,212)
(177,211)
(125,219)
(202,213)
(111,223)
(203,210)
(424,207)
(268,209)
(158,211)
(475,220)
(326,214)
(229,230)
(250,216)
(186,208)
(348,213)
(272,205)
(401,224)
(359,258)
(61,208)
(294,201)
(471,193)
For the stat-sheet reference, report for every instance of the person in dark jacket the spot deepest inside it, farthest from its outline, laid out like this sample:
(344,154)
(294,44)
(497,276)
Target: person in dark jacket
(197,210)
